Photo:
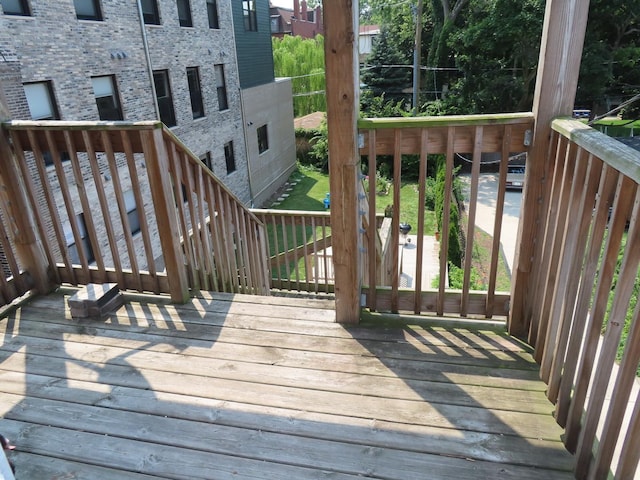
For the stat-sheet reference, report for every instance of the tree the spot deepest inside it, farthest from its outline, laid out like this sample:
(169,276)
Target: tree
(496,51)
(611,59)
(389,75)
(444,17)
(303,61)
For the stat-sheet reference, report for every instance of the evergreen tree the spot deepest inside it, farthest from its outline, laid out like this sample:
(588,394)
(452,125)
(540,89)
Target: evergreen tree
(388,71)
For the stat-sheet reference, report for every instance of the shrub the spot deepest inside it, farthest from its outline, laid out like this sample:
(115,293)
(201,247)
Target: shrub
(454,252)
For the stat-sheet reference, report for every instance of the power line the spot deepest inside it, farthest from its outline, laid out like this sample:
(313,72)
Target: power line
(617,109)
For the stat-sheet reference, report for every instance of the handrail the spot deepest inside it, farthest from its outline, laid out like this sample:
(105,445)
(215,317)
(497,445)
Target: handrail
(445,121)
(616,154)
(473,135)
(587,279)
(126,202)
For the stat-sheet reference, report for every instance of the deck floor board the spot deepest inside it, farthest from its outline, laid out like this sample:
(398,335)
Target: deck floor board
(237,387)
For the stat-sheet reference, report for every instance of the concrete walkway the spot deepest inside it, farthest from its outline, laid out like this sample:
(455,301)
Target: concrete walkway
(486,212)
(408,260)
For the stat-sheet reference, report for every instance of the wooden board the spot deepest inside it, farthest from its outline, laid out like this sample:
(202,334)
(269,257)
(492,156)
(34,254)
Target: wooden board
(214,389)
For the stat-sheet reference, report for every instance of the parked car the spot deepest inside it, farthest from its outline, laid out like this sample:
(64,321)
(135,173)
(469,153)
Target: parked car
(515,177)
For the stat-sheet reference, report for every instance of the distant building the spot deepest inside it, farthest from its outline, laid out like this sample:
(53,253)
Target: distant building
(267,104)
(300,21)
(366,39)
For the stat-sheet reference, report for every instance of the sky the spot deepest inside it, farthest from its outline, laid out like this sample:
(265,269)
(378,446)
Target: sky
(282,3)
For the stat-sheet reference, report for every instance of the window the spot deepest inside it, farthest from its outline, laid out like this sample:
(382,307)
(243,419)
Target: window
(88,9)
(150,12)
(165,100)
(15,7)
(85,242)
(275,24)
(193,77)
(106,93)
(249,14)
(132,211)
(212,12)
(206,159)
(42,106)
(41,101)
(184,13)
(221,87)
(263,139)
(229,158)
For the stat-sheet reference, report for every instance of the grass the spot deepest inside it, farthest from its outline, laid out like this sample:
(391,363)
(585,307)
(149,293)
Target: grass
(312,186)
(409,208)
(618,128)
(308,195)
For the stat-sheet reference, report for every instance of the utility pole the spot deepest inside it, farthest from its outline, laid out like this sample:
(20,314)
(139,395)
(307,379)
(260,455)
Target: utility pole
(417,48)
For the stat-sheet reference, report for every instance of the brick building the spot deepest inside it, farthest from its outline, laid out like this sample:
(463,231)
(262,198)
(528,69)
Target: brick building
(300,21)
(187,62)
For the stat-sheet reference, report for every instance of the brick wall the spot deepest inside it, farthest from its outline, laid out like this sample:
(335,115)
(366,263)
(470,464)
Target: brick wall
(53,45)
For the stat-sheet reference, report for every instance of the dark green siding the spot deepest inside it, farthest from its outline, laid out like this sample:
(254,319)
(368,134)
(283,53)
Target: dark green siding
(253,49)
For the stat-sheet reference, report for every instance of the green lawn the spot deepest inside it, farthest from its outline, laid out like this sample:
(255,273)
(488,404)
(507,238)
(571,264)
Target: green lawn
(311,188)
(618,128)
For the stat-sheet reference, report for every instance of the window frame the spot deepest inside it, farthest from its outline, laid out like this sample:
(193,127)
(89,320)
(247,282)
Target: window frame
(229,157)
(105,112)
(85,240)
(207,159)
(133,218)
(195,92)
(97,8)
(212,14)
(263,138)
(24,10)
(221,87)
(53,106)
(150,17)
(250,15)
(184,21)
(167,100)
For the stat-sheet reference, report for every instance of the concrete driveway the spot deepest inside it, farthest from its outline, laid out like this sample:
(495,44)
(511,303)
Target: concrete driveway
(486,211)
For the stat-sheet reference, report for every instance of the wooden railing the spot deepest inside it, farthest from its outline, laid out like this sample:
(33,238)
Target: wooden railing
(299,246)
(587,284)
(128,203)
(471,136)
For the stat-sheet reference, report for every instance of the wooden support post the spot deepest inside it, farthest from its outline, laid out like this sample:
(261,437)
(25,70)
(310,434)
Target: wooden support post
(20,217)
(161,191)
(342,84)
(563,34)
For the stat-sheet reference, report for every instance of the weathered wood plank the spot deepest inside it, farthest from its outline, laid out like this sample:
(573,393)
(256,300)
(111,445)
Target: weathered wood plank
(304,399)
(440,390)
(289,446)
(310,330)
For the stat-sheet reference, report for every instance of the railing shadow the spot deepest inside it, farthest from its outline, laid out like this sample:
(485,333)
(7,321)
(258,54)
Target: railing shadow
(478,382)
(214,390)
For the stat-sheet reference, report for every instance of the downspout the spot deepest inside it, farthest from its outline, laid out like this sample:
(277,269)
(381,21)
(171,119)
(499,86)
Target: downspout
(147,57)
(245,125)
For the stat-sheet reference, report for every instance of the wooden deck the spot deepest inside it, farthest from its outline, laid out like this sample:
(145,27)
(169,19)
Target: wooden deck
(267,388)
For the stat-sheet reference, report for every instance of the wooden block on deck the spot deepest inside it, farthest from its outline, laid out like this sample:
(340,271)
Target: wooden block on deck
(95,300)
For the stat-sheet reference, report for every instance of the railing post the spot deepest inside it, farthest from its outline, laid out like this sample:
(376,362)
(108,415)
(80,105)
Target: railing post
(560,53)
(157,163)
(15,205)
(341,59)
